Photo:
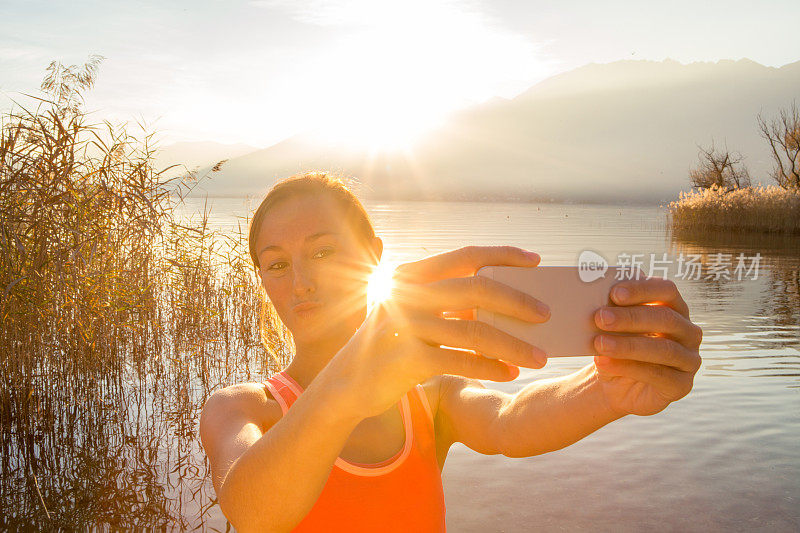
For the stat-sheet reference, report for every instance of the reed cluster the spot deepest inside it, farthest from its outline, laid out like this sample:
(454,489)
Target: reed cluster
(119,318)
(770,209)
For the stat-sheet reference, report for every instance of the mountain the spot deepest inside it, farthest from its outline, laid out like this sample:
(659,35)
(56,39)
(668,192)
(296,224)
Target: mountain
(195,155)
(619,132)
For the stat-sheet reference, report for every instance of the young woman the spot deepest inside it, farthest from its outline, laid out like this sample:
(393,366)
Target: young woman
(353,433)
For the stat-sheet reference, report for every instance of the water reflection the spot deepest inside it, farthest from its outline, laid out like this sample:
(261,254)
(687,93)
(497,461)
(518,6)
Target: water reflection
(756,329)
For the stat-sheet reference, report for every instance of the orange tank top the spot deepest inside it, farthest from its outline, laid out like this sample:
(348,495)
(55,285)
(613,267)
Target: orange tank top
(403,493)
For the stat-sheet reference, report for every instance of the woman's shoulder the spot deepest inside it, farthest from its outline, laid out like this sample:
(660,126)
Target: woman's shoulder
(250,401)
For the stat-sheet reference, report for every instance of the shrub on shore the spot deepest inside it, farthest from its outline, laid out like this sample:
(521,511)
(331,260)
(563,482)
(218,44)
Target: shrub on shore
(762,208)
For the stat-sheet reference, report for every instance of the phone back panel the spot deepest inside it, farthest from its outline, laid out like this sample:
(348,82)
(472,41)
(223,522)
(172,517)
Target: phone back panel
(571,329)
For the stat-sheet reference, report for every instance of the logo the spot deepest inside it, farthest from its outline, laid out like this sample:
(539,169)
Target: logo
(591,266)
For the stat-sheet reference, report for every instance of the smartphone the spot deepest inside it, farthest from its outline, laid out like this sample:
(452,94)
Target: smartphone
(571,329)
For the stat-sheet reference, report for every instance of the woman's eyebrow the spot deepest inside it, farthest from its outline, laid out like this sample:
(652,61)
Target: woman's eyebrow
(273,247)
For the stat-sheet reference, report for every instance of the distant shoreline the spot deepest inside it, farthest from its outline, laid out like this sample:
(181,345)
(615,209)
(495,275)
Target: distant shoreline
(483,200)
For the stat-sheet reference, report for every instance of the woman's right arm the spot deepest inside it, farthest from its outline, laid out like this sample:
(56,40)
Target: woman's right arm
(269,481)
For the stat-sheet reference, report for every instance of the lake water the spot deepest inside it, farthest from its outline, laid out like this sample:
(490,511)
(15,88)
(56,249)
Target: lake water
(726,457)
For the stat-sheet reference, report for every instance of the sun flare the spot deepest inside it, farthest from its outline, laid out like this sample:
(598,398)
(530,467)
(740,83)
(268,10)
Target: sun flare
(380,284)
(379,123)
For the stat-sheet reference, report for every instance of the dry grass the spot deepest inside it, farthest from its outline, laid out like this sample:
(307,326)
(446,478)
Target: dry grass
(769,209)
(118,320)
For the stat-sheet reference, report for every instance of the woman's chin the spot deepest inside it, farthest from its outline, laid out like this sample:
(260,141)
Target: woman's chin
(321,327)
(312,323)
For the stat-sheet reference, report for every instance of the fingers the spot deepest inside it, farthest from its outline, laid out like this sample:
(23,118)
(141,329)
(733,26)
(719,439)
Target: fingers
(671,383)
(655,350)
(464,262)
(469,365)
(650,319)
(468,293)
(480,337)
(464,314)
(651,290)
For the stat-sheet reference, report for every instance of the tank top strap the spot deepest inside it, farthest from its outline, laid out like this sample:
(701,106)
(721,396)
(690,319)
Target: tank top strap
(284,389)
(421,403)
(422,416)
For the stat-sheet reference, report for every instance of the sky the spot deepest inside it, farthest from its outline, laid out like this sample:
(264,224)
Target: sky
(257,71)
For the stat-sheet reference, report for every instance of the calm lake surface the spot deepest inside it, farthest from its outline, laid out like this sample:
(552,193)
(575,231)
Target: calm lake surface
(725,457)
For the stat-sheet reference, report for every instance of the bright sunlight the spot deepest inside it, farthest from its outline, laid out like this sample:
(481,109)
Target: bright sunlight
(385,86)
(380,284)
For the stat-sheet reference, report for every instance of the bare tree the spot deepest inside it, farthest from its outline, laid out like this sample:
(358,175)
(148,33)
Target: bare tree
(783,136)
(723,169)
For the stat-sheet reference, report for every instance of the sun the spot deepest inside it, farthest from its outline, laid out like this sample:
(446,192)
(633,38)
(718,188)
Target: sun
(380,284)
(380,126)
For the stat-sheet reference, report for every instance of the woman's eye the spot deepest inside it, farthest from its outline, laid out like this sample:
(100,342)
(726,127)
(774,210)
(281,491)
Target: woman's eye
(325,252)
(277,266)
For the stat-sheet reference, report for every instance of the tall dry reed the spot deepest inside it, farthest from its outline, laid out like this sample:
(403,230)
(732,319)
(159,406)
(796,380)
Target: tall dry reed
(770,209)
(118,320)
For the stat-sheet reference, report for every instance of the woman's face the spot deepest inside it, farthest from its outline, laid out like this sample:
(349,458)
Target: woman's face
(314,267)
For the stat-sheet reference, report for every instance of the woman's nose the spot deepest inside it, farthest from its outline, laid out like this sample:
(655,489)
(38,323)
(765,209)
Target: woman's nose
(303,281)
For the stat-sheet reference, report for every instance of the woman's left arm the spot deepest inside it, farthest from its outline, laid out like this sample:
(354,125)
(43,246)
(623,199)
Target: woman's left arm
(635,375)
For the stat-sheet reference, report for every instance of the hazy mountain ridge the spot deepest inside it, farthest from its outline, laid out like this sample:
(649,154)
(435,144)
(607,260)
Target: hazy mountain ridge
(192,155)
(626,131)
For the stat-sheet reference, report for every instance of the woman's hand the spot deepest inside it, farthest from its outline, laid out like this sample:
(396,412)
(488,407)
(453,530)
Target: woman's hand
(643,374)
(400,343)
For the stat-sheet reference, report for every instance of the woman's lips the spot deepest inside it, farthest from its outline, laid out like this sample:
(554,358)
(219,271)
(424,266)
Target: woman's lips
(306,306)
